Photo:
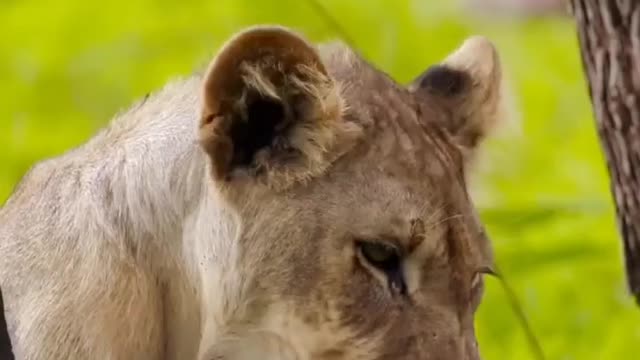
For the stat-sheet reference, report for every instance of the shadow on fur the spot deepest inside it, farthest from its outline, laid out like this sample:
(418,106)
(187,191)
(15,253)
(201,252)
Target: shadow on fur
(5,341)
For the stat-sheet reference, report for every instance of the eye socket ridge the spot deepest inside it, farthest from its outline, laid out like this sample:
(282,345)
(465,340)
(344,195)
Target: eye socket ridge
(387,259)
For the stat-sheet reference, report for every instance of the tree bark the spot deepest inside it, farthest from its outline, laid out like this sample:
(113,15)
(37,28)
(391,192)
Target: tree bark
(609,35)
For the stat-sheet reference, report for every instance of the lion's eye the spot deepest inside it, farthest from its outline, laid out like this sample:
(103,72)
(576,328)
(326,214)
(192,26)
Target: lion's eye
(380,255)
(387,259)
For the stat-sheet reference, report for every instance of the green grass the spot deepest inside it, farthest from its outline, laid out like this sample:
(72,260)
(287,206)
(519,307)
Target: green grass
(67,67)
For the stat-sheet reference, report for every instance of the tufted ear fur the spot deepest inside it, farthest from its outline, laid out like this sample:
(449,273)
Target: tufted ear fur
(270,110)
(469,84)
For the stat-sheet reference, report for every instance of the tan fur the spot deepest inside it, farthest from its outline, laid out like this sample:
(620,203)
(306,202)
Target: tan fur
(153,241)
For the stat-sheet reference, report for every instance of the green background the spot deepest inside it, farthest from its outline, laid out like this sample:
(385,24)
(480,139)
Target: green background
(67,66)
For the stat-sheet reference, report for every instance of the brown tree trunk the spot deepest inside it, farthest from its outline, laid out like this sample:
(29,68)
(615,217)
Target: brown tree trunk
(609,34)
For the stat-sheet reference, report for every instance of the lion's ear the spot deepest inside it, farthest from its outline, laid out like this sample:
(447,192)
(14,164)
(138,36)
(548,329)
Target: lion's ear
(469,82)
(268,103)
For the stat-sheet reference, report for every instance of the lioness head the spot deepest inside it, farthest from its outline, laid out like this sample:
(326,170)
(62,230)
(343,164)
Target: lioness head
(357,237)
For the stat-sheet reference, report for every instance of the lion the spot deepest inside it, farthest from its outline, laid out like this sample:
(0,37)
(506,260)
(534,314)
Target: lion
(291,201)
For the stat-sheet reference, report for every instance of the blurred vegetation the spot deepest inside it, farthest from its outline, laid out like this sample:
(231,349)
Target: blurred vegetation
(67,67)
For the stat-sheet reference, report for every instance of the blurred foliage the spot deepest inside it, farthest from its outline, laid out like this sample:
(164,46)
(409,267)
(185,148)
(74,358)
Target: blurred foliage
(67,67)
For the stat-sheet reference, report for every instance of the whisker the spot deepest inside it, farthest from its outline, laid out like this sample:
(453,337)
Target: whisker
(441,221)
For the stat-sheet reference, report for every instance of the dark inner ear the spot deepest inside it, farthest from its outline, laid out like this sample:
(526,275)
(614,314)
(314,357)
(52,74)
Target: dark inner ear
(264,118)
(443,80)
